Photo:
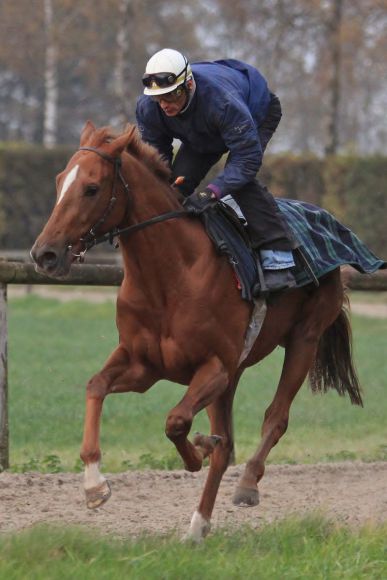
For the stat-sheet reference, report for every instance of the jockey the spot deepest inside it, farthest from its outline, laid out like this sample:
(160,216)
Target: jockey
(214,108)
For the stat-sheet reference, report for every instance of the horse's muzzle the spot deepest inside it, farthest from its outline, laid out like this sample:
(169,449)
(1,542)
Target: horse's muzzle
(54,261)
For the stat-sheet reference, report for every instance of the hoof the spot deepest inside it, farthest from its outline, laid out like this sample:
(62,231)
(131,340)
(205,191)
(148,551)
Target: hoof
(245,497)
(206,443)
(97,496)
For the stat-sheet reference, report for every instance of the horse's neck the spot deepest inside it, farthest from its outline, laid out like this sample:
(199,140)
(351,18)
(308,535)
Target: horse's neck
(159,253)
(150,195)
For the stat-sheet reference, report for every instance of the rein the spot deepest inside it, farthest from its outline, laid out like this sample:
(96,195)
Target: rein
(91,239)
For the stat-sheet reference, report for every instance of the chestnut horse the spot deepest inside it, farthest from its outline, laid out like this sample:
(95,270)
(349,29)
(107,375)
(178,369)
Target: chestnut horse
(180,315)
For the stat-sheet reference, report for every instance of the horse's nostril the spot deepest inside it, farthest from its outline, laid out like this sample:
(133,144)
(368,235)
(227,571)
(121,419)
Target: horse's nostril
(48,260)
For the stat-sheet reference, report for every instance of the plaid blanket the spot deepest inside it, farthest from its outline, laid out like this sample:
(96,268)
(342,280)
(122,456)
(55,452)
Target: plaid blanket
(326,242)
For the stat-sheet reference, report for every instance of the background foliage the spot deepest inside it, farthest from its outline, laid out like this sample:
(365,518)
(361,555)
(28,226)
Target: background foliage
(353,188)
(324,58)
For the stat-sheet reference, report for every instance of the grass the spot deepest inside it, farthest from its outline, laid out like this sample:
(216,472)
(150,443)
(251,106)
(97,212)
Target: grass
(55,347)
(310,548)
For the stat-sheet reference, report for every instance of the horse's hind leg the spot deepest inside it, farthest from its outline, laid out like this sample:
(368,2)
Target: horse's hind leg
(300,353)
(296,366)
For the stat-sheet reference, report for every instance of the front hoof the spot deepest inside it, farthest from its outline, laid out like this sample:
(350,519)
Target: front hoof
(244,496)
(97,496)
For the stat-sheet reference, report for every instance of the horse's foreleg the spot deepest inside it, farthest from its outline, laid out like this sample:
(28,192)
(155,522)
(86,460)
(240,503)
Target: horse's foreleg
(299,356)
(96,487)
(118,375)
(208,383)
(220,414)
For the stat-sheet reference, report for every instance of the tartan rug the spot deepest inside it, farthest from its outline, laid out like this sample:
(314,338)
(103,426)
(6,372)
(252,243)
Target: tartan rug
(326,242)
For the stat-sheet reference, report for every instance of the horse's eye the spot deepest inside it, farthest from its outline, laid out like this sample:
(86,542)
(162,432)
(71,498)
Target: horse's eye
(91,190)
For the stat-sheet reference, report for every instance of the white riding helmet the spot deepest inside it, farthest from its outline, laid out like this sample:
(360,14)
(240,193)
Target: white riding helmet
(165,71)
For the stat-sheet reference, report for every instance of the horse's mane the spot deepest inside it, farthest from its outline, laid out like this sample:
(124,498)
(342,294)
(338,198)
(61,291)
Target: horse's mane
(145,153)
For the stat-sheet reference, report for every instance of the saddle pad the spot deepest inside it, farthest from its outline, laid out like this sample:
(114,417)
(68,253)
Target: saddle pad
(230,239)
(326,242)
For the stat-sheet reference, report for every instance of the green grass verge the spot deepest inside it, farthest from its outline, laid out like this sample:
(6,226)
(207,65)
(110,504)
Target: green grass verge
(310,548)
(55,347)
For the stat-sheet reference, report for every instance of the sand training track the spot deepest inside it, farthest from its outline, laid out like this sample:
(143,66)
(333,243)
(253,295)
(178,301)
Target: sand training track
(353,493)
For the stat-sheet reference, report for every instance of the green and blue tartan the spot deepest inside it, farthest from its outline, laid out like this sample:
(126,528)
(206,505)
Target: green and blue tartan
(326,242)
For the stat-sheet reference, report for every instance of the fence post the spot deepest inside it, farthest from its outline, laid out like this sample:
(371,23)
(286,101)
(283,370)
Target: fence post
(4,433)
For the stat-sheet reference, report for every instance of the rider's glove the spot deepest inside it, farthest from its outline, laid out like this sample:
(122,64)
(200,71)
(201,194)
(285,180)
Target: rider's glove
(198,202)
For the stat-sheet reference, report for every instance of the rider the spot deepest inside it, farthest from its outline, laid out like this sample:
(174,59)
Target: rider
(214,108)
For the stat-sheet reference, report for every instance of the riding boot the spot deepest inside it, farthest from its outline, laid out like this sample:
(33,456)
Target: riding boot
(268,232)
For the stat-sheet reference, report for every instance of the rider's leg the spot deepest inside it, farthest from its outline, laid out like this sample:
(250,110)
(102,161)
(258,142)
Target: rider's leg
(268,231)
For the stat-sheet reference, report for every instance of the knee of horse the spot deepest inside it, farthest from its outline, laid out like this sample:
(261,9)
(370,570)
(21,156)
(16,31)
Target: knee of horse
(177,425)
(97,387)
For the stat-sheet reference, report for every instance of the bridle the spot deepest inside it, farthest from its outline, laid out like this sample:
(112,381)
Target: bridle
(91,238)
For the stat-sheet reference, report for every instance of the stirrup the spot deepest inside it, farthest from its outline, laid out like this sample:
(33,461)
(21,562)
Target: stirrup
(306,264)
(260,288)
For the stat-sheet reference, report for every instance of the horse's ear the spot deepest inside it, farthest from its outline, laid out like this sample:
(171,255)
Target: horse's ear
(117,146)
(87,130)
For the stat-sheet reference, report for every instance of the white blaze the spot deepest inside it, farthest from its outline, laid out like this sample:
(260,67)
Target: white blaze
(69,179)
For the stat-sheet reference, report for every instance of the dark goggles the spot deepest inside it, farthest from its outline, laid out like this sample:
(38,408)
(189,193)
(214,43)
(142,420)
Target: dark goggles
(162,80)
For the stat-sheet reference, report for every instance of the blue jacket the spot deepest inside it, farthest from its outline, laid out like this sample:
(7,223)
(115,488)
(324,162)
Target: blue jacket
(229,105)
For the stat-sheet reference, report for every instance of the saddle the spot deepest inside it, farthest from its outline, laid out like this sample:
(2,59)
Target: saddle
(322,244)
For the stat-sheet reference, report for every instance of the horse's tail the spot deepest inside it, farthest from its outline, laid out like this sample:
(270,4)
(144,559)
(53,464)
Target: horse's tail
(333,367)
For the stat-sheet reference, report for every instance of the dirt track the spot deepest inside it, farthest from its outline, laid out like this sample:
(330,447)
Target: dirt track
(162,501)
(377,310)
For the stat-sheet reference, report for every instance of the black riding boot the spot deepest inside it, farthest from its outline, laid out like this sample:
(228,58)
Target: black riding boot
(267,231)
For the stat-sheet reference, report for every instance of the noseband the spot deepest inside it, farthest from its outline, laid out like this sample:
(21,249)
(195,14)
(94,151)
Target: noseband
(91,239)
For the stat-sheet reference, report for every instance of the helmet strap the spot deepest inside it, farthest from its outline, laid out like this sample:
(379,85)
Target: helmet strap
(189,93)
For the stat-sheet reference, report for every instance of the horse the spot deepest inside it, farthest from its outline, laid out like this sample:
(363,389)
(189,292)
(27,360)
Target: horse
(180,316)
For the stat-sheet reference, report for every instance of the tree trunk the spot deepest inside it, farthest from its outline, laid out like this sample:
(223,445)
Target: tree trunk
(122,44)
(334,85)
(50,122)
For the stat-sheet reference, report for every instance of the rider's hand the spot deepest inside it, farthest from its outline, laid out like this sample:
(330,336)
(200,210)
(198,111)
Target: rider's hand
(198,202)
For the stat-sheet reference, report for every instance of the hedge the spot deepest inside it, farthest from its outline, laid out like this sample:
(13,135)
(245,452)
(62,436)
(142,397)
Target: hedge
(27,192)
(354,189)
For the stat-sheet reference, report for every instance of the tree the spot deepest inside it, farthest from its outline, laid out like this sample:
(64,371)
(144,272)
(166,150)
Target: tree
(50,121)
